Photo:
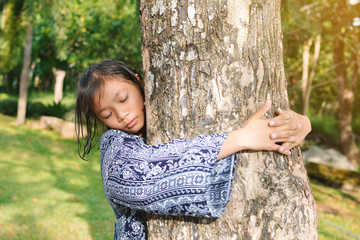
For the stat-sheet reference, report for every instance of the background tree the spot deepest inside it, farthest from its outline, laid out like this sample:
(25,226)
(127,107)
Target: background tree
(335,77)
(302,48)
(27,11)
(346,74)
(24,77)
(208,66)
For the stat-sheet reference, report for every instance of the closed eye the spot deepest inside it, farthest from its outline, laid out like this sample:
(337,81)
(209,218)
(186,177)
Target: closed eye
(124,99)
(108,116)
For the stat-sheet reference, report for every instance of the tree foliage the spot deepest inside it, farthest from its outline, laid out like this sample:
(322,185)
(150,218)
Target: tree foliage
(12,35)
(90,31)
(68,35)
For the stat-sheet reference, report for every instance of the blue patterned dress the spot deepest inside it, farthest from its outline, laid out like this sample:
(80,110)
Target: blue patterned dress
(181,177)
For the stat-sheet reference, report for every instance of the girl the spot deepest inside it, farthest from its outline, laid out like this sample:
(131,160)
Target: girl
(183,177)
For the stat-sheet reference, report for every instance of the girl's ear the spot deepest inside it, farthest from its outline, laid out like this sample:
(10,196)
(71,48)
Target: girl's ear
(140,80)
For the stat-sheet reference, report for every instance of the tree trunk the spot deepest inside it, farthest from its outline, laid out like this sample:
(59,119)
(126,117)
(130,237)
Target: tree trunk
(305,74)
(208,66)
(5,80)
(59,82)
(345,97)
(307,78)
(24,78)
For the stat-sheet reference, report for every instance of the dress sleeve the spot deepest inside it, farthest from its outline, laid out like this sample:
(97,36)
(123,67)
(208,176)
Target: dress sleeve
(181,177)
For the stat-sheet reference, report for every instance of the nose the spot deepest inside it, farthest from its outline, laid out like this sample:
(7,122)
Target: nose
(123,115)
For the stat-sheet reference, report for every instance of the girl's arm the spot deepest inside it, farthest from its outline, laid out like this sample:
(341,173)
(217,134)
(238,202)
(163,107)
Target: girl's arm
(181,177)
(288,128)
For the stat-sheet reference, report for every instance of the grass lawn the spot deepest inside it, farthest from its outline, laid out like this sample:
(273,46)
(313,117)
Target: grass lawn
(48,192)
(337,210)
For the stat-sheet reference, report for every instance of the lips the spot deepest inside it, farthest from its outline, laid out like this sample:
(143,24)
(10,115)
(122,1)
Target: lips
(132,123)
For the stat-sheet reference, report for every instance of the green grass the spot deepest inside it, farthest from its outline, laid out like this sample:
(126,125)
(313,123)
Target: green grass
(336,207)
(48,192)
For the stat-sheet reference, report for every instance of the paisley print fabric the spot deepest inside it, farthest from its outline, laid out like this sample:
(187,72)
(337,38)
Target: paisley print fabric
(181,177)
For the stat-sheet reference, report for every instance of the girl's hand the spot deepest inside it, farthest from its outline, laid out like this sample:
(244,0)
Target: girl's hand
(292,129)
(256,131)
(253,135)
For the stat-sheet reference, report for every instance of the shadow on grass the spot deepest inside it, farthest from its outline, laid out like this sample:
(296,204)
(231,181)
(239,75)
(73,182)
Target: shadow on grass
(47,191)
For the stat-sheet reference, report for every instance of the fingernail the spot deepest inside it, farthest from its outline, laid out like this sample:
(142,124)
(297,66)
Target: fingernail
(267,103)
(289,152)
(271,123)
(281,149)
(273,135)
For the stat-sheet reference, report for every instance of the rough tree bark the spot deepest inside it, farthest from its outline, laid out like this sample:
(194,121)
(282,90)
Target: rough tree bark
(208,66)
(24,77)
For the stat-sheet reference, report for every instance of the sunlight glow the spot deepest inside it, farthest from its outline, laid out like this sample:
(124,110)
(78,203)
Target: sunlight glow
(354,2)
(356,21)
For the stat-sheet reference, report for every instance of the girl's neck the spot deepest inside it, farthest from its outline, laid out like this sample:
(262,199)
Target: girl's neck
(142,133)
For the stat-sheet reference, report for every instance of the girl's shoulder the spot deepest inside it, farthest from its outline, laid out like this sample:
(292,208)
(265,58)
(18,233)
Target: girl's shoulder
(115,136)
(115,133)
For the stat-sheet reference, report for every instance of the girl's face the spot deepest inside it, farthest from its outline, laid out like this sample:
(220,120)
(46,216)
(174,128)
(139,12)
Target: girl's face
(120,105)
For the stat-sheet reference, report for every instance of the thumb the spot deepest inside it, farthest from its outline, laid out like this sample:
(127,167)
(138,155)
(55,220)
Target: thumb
(261,112)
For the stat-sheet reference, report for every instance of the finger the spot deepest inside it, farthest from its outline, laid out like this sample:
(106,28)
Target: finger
(278,122)
(291,140)
(284,115)
(284,148)
(288,151)
(283,136)
(294,144)
(274,147)
(279,111)
(286,127)
(289,144)
(282,119)
(261,112)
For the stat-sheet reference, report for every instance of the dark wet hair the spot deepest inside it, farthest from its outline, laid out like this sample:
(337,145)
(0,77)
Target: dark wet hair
(91,81)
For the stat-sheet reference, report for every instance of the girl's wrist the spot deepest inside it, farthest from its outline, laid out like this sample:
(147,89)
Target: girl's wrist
(233,144)
(239,139)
